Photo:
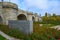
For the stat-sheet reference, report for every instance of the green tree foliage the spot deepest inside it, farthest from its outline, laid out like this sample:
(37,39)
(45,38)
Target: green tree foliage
(52,19)
(46,14)
(54,14)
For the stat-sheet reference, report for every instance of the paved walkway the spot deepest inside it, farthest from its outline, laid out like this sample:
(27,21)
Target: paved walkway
(56,27)
(6,36)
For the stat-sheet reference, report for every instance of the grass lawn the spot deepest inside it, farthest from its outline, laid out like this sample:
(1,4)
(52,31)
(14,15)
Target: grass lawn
(48,25)
(2,38)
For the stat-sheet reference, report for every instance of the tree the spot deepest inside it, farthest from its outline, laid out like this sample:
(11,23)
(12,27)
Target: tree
(46,14)
(54,14)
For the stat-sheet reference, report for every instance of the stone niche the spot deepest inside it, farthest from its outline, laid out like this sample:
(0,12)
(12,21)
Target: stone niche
(24,26)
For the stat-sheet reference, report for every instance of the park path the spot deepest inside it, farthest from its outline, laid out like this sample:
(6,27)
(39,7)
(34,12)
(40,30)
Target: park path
(56,27)
(6,36)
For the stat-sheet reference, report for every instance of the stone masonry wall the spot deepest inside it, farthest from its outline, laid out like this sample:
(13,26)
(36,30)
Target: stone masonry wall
(8,11)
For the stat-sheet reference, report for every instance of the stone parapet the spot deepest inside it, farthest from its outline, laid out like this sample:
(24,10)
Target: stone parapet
(9,5)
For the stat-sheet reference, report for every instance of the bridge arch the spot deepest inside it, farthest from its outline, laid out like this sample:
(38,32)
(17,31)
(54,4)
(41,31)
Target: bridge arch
(21,17)
(33,18)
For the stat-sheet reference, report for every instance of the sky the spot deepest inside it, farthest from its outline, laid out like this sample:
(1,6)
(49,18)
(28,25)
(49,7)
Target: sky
(38,6)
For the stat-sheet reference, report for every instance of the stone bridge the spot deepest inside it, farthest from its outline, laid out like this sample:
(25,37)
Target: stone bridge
(10,11)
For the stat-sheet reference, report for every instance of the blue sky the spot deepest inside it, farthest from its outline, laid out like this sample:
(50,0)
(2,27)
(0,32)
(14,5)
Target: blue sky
(39,6)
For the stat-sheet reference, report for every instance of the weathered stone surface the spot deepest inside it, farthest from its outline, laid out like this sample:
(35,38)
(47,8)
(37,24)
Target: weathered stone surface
(24,26)
(8,5)
(8,11)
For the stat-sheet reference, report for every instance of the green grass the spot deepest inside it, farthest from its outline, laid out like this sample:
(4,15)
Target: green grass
(49,25)
(39,33)
(2,38)
(45,32)
(45,24)
(12,32)
(51,22)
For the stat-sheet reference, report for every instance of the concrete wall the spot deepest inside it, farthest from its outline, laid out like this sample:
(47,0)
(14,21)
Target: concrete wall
(22,25)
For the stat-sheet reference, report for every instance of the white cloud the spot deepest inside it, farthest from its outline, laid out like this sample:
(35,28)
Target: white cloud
(50,6)
(42,4)
(15,1)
